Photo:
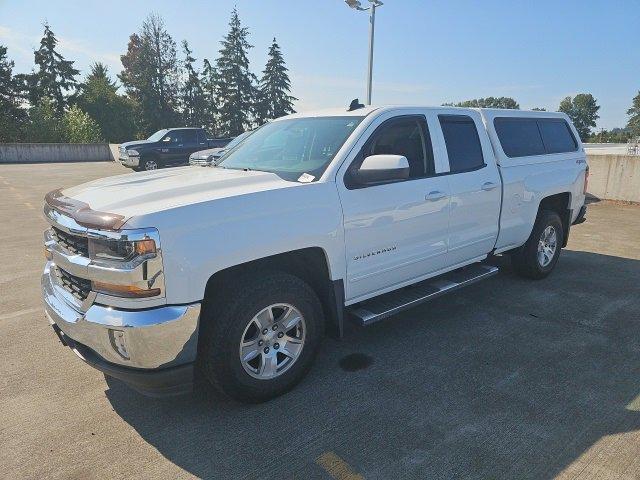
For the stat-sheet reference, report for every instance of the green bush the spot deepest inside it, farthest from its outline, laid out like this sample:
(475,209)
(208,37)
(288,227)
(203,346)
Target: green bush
(79,127)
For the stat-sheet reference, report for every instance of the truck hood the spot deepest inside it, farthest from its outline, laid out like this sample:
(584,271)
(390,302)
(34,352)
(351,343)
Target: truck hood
(149,192)
(208,151)
(136,143)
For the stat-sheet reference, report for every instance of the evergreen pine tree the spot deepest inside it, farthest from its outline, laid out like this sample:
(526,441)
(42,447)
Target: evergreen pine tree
(54,77)
(12,116)
(98,97)
(210,97)
(275,86)
(634,116)
(150,75)
(235,85)
(192,95)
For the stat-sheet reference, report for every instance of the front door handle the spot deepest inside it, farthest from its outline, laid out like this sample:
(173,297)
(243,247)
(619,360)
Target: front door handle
(435,195)
(487,186)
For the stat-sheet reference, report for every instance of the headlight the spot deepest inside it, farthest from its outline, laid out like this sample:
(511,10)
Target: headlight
(121,251)
(133,153)
(128,256)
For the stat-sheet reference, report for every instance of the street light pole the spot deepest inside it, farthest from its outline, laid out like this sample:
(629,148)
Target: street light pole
(356,5)
(372,29)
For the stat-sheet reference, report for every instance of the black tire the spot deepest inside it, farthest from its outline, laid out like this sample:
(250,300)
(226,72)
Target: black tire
(525,259)
(227,314)
(146,162)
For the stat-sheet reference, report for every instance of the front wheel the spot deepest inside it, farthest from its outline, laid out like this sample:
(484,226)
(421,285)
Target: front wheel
(149,164)
(538,257)
(260,337)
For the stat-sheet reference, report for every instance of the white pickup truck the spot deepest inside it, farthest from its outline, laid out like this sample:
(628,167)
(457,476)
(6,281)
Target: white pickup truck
(236,271)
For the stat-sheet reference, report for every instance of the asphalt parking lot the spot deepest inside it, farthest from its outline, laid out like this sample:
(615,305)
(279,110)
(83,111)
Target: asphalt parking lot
(507,379)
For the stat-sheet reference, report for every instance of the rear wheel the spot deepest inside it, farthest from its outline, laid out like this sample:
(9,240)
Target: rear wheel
(260,336)
(538,257)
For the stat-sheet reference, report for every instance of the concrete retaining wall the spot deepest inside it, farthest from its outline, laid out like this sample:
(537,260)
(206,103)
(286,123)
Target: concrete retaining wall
(57,152)
(614,177)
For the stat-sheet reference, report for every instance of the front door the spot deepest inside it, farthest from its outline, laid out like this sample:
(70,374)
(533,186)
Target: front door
(395,232)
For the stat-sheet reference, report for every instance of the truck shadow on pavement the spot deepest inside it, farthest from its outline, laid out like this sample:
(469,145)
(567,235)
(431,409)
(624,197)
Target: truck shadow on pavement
(509,378)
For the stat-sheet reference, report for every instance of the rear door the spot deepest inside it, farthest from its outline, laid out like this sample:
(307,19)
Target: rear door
(474,182)
(396,232)
(190,144)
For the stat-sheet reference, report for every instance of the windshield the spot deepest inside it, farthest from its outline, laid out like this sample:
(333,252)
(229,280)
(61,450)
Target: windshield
(158,135)
(291,148)
(237,140)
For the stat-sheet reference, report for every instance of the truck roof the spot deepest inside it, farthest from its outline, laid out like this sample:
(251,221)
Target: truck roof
(362,112)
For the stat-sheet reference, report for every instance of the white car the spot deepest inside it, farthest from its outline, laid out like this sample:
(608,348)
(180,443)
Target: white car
(238,270)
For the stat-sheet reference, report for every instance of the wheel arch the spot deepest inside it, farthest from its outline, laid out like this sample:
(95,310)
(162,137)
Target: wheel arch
(309,264)
(561,204)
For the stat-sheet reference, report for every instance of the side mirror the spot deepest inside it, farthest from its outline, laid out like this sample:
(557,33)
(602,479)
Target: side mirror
(382,168)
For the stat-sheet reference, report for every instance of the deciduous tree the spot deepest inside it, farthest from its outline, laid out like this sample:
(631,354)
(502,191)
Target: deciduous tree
(79,127)
(489,102)
(45,126)
(583,112)
(12,116)
(150,75)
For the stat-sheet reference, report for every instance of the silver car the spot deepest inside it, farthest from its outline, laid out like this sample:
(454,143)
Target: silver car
(208,157)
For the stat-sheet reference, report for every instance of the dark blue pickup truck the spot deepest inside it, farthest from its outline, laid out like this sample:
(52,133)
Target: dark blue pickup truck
(167,147)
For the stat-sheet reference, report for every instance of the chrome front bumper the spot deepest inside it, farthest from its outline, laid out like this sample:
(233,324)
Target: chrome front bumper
(130,161)
(152,339)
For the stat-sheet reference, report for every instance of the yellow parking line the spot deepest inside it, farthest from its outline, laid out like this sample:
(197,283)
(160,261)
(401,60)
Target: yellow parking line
(336,467)
(28,205)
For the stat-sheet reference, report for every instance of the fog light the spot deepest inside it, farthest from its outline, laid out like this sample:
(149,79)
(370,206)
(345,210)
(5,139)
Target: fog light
(47,254)
(118,343)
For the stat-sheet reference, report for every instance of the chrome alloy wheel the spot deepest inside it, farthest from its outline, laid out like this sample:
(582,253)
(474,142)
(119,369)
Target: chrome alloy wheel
(547,246)
(150,165)
(272,341)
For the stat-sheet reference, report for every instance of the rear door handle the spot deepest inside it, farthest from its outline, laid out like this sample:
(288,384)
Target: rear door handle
(435,195)
(488,186)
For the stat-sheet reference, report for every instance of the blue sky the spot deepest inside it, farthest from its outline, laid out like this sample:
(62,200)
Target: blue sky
(427,52)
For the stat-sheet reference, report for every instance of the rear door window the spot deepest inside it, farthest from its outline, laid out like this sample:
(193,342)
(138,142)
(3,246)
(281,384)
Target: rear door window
(189,137)
(463,143)
(520,137)
(556,136)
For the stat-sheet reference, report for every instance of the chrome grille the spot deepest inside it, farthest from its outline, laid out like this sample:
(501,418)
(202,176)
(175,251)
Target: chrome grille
(76,286)
(72,243)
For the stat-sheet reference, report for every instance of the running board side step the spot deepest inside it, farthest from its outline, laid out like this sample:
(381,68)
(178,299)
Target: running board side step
(383,306)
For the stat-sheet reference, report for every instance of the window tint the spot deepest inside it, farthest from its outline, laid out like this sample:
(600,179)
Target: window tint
(557,136)
(519,137)
(462,141)
(404,137)
(189,137)
(174,136)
